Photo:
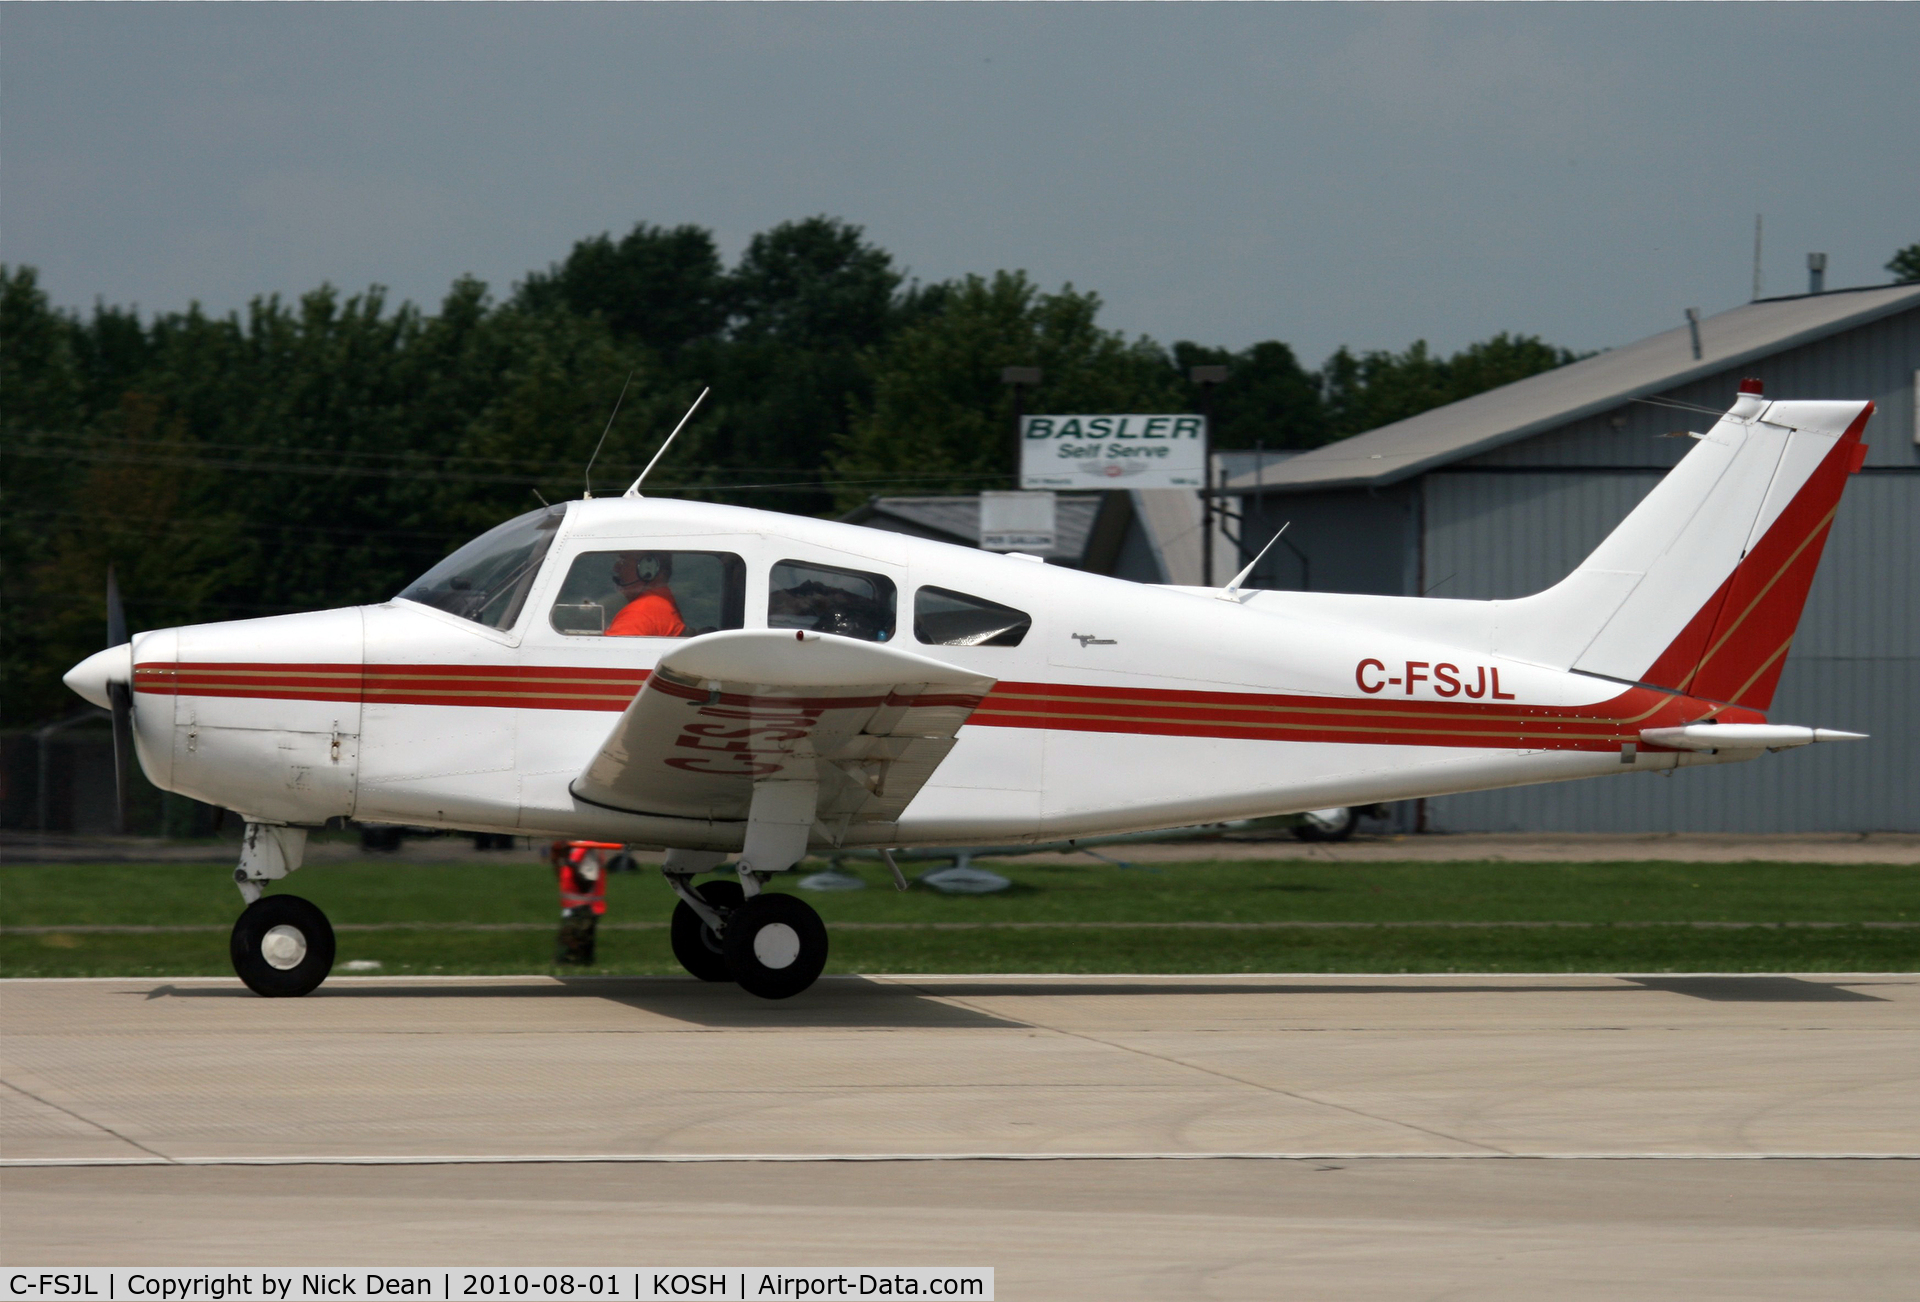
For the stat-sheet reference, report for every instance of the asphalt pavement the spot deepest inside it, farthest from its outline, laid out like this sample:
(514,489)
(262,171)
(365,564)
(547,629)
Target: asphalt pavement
(1566,1136)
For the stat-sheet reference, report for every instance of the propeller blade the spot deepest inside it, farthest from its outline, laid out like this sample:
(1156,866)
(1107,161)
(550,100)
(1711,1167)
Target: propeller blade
(116,613)
(121,697)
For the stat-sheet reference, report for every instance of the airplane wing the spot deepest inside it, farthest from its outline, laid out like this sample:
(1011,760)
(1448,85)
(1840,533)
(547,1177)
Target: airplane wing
(868,722)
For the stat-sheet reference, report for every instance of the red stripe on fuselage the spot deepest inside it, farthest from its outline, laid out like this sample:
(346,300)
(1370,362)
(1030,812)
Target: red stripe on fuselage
(1254,716)
(536,687)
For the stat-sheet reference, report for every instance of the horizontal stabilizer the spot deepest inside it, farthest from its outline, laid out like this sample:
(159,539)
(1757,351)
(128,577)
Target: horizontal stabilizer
(1742,736)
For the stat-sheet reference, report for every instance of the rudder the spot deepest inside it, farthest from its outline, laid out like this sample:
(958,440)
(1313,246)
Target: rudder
(1700,588)
(1763,599)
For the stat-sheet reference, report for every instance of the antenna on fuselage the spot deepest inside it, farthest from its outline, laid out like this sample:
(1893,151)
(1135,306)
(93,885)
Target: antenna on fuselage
(633,489)
(1232,592)
(588,494)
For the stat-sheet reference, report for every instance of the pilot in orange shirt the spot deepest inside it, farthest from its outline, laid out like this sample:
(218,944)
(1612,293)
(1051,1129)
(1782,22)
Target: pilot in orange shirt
(650,610)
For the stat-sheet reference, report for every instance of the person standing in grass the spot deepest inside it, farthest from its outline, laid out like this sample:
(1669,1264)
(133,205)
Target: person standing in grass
(582,869)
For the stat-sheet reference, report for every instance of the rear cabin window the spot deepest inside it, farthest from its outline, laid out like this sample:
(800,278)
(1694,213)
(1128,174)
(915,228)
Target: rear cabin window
(487,580)
(827,599)
(651,594)
(942,617)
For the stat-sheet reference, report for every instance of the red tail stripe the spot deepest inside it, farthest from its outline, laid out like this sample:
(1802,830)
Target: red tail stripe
(1733,649)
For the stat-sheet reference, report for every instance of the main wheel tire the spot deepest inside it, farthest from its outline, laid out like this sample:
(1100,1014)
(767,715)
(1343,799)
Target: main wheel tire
(282,946)
(694,942)
(1308,830)
(776,946)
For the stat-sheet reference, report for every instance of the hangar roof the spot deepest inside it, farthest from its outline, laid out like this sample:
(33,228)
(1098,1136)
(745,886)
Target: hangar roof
(1584,388)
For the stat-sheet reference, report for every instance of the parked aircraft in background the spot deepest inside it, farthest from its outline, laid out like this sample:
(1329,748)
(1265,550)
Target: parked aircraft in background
(798,685)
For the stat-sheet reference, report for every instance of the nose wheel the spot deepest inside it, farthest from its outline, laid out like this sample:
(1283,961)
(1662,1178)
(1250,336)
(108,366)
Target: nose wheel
(282,946)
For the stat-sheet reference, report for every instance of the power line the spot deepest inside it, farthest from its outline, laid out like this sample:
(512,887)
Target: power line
(104,520)
(424,460)
(524,481)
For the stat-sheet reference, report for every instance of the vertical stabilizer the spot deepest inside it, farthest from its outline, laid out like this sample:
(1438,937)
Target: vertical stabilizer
(1705,580)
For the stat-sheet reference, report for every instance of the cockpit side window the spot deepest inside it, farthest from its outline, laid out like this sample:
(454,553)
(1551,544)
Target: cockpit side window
(487,581)
(828,599)
(651,594)
(942,617)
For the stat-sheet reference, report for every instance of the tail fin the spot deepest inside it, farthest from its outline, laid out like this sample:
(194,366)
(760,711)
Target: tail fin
(1701,587)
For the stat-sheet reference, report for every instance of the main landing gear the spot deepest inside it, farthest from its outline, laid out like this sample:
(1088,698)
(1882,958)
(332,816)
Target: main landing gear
(772,945)
(282,945)
(1327,824)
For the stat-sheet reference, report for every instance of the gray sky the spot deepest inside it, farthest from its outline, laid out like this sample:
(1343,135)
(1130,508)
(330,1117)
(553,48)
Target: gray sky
(1321,174)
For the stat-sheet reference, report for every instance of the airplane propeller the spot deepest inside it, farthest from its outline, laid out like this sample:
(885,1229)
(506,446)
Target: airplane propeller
(120,695)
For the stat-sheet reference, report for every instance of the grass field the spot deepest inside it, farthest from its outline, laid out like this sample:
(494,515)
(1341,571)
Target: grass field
(496,916)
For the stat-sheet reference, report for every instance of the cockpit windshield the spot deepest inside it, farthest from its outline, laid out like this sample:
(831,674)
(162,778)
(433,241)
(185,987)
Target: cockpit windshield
(487,580)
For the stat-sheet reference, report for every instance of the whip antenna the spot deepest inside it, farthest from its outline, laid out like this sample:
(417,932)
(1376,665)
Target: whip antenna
(633,489)
(588,495)
(1233,587)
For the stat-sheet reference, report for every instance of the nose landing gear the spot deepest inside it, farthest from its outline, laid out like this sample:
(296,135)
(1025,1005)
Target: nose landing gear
(282,945)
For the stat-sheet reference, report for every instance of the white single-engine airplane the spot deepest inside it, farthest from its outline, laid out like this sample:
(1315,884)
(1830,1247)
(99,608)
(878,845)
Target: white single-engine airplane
(731,683)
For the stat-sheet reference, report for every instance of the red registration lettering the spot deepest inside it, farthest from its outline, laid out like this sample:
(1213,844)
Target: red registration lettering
(1413,677)
(749,770)
(772,732)
(1360,676)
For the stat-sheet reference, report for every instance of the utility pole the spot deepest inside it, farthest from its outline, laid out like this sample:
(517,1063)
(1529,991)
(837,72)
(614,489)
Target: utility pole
(1021,378)
(1208,378)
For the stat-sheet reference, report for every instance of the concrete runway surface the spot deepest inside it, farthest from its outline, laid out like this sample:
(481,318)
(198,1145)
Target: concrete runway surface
(1562,1136)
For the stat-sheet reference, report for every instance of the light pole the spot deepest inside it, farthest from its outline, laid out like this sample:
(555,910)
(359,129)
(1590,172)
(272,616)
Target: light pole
(1020,378)
(1208,378)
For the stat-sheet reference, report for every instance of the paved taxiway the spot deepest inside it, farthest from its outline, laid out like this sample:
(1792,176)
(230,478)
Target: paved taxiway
(1559,1135)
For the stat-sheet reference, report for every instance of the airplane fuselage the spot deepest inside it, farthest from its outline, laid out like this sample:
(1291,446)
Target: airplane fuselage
(1123,707)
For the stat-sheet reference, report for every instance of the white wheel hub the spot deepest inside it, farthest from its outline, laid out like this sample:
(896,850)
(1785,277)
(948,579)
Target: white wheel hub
(776,945)
(283,947)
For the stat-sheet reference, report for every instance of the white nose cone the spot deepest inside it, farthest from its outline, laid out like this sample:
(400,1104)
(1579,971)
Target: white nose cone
(90,677)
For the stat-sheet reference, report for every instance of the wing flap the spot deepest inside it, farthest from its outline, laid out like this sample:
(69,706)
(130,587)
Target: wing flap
(868,722)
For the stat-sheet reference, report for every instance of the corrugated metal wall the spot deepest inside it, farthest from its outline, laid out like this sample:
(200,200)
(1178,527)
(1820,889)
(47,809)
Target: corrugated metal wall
(1355,541)
(1517,520)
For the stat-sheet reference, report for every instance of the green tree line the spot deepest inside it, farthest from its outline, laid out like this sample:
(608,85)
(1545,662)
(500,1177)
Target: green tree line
(321,452)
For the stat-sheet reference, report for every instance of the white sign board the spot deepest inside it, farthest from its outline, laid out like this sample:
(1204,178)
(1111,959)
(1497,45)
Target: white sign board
(1017,522)
(1113,452)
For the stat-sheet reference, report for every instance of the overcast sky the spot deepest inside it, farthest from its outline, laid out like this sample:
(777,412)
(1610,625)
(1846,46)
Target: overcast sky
(1321,174)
